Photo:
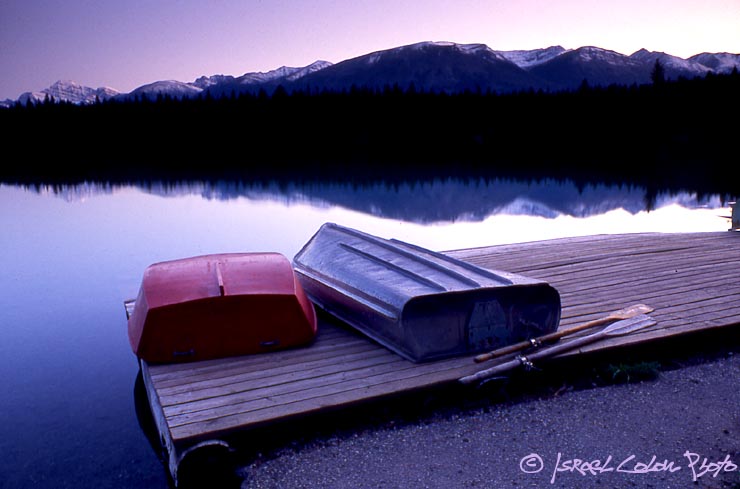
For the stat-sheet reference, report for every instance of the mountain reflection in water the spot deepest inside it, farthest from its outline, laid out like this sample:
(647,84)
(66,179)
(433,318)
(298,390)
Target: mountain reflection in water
(430,202)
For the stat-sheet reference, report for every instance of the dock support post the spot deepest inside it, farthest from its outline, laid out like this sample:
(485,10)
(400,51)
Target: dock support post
(175,454)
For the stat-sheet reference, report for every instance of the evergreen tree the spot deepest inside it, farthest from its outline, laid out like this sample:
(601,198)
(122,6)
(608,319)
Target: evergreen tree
(657,76)
(280,92)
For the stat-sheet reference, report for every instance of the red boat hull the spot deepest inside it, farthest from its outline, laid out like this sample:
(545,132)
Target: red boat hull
(221,305)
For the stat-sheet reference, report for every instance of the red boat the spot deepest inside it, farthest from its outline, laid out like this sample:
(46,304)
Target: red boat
(217,306)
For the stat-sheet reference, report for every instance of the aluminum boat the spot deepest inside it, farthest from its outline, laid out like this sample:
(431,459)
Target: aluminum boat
(421,304)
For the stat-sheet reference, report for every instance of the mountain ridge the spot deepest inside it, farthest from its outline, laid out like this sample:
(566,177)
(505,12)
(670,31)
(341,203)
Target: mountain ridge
(427,65)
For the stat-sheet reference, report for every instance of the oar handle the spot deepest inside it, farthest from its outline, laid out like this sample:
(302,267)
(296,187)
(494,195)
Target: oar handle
(566,346)
(541,339)
(491,372)
(502,351)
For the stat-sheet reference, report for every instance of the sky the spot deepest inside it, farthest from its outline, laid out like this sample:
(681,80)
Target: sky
(125,44)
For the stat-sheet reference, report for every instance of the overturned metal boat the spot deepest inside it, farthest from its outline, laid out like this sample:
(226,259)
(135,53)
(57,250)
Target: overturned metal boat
(421,304)
(220,305)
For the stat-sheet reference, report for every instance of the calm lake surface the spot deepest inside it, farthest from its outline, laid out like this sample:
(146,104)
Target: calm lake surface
(72,255)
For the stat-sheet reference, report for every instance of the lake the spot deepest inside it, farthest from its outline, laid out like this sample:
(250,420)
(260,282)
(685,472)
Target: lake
(73,254)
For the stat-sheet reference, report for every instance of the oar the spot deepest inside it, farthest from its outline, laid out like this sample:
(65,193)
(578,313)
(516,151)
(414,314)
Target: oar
(619,328)
(626,313)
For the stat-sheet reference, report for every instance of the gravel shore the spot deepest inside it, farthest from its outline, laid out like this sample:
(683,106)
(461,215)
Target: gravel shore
(679,429)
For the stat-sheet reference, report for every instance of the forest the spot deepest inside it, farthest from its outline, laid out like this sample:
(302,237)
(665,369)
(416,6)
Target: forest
(667,135)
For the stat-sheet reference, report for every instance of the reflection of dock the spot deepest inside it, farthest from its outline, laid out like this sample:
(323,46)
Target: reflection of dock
(692,281)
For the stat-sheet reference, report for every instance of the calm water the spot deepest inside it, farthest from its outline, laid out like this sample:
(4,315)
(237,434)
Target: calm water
(70,256)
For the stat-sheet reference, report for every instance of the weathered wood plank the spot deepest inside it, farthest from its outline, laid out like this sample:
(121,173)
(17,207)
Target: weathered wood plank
(161,422)
(269,382)
(388,380)
(676,293)
(339,341)
(234,374)
(212,409)
(583,250)
(558,267)
(240,365)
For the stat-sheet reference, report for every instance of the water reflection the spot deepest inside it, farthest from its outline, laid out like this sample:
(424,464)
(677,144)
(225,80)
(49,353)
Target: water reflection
(186,218)
(427,202)
(146,421)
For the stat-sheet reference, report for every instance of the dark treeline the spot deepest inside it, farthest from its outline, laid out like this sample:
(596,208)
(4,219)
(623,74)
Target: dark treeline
(673,135)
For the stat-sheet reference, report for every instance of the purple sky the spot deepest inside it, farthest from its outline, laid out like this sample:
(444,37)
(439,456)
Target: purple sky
(125,44)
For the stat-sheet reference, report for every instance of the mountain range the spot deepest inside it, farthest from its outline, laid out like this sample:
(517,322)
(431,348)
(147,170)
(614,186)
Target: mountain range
(429,66)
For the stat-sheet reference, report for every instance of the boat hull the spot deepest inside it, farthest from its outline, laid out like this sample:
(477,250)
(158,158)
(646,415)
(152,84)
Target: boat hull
(221,305)
(421,304)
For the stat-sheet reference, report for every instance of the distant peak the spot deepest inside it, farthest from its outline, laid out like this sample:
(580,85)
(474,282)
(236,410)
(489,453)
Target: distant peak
(65,85)
(595,49)
(320,63)
(591,53)
(287,73)
(474,49)
(645,53)
(445,44)
(528,58)
(424,44)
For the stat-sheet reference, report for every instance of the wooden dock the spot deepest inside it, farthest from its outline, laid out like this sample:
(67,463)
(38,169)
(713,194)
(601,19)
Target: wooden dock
(692,280)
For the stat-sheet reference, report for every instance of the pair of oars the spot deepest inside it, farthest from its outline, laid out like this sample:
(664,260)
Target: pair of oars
(628,320)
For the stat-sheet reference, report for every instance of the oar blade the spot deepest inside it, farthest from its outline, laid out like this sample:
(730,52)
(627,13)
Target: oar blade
(627,326)
(632,311)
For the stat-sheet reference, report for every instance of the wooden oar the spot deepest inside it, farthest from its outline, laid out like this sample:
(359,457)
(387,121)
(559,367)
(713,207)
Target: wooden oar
(625,313)
(619,328)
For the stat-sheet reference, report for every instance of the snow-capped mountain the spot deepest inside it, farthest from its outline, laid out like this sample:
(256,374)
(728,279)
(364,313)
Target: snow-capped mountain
(436,66)
(596,65)
(204,82)
(430,66)
(69,91)
(254,81)
(172,88)
(284,73)
(307,70)
(259,77)
(452,67)
(533,57)
(718,62)
(673,65)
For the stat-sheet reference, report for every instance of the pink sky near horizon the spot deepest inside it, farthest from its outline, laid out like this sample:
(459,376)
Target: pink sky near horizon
(127,44)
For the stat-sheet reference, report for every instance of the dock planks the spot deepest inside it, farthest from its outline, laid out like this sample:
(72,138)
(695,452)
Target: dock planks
(692,280)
